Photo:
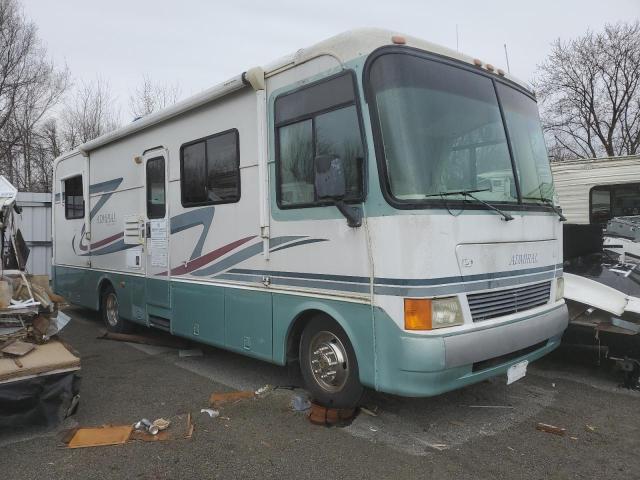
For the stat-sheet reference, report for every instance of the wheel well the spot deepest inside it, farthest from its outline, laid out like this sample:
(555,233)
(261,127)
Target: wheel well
(295,332)
(102,287)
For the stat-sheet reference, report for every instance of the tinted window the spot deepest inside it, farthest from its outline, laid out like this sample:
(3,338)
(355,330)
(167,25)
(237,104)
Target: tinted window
(211,170)
(73,198)
(441,131)
(318,120)
(155,188)
(608,201)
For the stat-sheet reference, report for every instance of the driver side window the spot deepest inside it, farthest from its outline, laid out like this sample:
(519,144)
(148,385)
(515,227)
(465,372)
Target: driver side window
(321,119)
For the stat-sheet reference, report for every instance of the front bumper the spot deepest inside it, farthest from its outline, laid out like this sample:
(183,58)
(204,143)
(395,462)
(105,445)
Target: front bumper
(419,365)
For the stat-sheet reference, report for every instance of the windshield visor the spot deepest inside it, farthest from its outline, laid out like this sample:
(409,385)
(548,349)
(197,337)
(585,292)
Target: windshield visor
(441,131)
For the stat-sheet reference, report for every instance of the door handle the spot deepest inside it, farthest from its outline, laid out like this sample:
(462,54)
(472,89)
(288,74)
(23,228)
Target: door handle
(147,232)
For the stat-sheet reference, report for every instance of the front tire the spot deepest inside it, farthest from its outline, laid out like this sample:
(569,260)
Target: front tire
(110,311)
(328,364)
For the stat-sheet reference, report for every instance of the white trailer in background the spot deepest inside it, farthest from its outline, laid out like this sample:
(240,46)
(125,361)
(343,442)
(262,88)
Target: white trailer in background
(595,190)
(376,207)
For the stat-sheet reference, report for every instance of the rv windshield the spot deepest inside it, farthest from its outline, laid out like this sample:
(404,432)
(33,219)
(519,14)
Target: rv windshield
(442,131)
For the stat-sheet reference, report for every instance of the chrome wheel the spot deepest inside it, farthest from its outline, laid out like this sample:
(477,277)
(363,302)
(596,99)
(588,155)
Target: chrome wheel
(328,361)
(111,307)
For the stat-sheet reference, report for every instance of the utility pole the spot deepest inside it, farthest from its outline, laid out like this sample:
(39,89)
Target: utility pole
(457,39)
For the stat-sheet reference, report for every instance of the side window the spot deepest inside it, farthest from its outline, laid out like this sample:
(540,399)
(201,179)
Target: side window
(600,205)
(321,119)
(156,206)
(210,170)
(73,198)
(608,201)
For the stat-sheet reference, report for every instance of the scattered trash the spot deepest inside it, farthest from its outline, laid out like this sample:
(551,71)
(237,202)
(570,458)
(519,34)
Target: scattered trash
(145,425)
(438,446)
(212,413)
(218,399)
(573,438)
(372,412)
(373,429)
(456,423)
(161,423)
(590,428)
(118,434)
(190,352)
(300,403)
(96,437)
(320,415)
(263,390)
(553,385)
(544,427)
(189,432)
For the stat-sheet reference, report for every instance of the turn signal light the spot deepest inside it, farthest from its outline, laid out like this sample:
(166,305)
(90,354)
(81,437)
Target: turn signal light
(417,314)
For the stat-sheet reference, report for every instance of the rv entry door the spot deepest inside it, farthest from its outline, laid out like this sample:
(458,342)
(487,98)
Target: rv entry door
(157,238)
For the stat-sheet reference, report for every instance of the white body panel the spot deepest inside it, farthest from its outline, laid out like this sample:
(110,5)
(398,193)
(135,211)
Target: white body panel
(574,180)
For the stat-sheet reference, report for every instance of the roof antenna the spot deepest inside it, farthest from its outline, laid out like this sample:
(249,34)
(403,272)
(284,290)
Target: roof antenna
(506,55)
(457,39)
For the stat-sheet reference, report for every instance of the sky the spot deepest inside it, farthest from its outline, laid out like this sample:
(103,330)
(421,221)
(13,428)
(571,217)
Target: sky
(199,43)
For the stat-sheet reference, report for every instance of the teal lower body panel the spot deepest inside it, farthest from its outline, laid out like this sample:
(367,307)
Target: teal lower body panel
(414,365)
(258,323)
(81,286)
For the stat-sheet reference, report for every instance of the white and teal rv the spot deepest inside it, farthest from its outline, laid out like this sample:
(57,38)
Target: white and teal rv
(376,207)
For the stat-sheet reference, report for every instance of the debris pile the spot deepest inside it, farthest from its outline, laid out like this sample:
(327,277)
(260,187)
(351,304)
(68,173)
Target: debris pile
(38,381)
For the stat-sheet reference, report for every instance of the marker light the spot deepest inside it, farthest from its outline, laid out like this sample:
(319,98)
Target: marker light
(398,40)
(559,289)
(477,62)
(490,67)
(417,314)
(429,314)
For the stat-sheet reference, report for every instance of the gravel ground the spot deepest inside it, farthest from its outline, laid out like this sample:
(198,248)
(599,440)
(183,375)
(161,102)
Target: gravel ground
(483,431)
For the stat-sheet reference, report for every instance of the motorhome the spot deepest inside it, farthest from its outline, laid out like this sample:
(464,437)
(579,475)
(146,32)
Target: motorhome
(595,190)
(375,208)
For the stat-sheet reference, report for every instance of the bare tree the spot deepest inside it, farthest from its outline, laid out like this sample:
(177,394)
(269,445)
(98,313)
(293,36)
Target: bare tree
(30,86)
(152,96)
(88,113)
(589,89)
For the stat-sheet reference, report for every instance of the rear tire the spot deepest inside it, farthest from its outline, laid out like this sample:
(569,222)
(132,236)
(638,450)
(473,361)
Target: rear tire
(109,308)
(328,364)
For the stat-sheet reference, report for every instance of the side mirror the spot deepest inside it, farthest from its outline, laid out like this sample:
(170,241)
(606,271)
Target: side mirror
(330,183)
(329,177)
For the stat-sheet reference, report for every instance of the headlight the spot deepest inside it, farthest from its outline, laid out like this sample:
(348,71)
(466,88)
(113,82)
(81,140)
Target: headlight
(429,314)
(559,289)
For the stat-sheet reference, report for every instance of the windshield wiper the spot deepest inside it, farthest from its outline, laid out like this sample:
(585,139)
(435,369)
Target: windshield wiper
(549,203)
(470,193)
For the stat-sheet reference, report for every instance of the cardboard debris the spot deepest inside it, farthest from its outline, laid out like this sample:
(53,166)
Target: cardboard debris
(544,427)
(45,358)
(96,437)
(18,348)
(6,293)
(218,399)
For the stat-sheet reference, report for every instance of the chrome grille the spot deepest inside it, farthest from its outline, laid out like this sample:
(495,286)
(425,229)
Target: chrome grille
(498,303)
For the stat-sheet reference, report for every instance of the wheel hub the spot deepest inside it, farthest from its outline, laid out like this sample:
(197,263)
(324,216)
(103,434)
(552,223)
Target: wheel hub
(328,359)
(112,309)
